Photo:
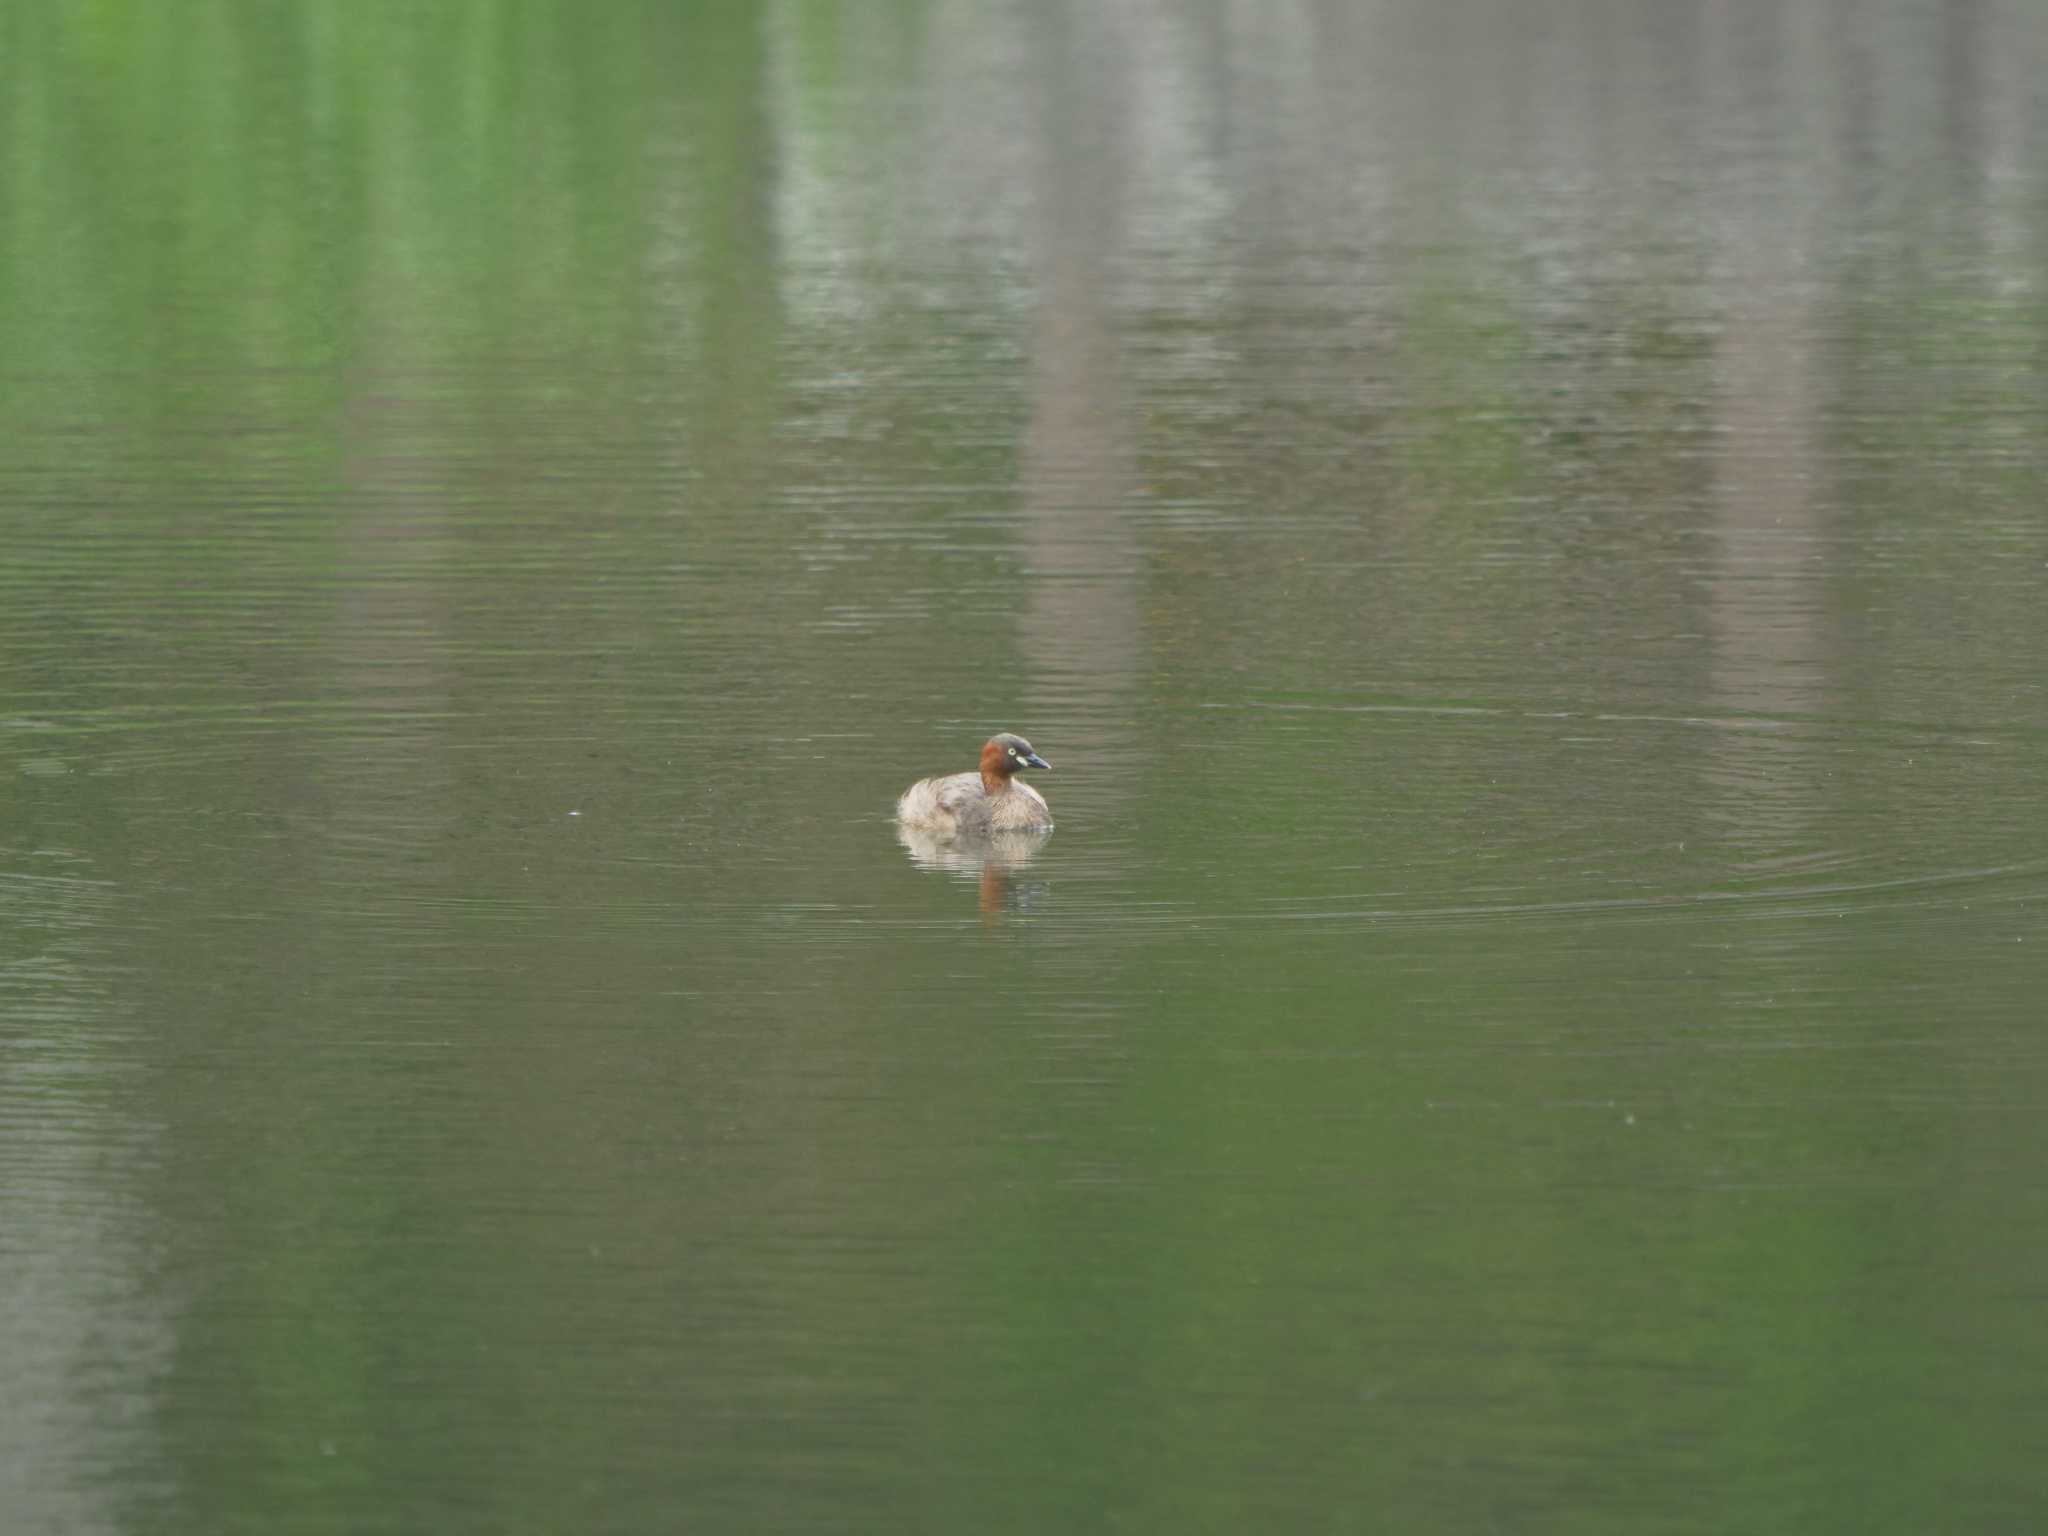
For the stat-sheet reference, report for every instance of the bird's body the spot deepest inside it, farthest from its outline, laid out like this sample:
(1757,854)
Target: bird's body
(979,803)
(960,803)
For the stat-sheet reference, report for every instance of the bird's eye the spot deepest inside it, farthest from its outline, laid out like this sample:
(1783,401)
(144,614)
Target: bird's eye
(1013,751)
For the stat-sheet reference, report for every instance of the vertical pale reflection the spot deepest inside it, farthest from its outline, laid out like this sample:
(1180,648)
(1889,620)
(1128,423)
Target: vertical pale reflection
(387,633)
(1764,600)
(1080,623)
(84,1339)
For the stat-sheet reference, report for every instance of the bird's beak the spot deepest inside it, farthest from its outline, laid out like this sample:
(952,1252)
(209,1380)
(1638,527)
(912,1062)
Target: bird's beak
(1033,760)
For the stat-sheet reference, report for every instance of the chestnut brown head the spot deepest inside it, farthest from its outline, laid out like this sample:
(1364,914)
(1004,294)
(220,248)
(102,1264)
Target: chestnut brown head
(1005,754)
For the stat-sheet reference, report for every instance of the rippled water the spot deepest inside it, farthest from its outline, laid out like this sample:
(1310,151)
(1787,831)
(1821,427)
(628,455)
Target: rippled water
(1521,529)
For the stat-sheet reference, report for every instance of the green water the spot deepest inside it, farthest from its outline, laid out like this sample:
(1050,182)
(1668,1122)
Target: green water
(1521,529)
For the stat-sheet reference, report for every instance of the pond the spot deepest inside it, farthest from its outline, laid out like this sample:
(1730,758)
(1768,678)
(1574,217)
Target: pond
(1519,529)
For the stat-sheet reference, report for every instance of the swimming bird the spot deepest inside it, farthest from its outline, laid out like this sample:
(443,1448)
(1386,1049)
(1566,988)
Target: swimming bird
(974,804)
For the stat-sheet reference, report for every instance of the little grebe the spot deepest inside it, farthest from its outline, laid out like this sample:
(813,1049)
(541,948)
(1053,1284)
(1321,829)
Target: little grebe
(969,804)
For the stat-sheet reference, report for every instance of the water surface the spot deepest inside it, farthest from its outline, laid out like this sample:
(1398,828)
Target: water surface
(1521,529)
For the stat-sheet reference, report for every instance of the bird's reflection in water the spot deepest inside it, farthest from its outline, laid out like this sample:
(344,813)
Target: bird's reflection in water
(991,859)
